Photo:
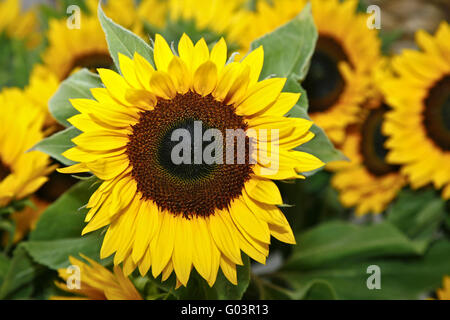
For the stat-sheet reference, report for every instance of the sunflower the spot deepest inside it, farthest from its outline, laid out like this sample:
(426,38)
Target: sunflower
(339,75)
(418,125)
(444,293)
(96,283)
(172,216)
(212,19)
(70,49)
(18,25)
(153,12)
(21,172)
(42,86)
(368,182)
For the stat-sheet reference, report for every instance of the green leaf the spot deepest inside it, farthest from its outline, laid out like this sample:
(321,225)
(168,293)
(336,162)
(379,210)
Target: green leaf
(122,40)
(58,232)
(65,217)
(333,242)
(58,143)
(4,266)
(331,260)
(401,277)
(288,49)
(418,214)
(54,254)
(17,281)
(78,85)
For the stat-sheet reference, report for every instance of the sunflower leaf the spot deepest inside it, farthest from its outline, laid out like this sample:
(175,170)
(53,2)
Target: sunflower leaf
(288,49)
(122,40)
(78,85)
(418,214)
(54,254)
(18,278)
(64,218)
(58,232)
(56,144)
(338,254)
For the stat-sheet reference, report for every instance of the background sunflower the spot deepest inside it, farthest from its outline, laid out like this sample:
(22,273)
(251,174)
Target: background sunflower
(420,88)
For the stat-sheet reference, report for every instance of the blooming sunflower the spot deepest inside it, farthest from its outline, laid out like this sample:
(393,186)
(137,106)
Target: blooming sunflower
(175,217)
(418,125)
(97,283)
(339,75)
(70,49)
(368,182)
(16,24)
(21,172)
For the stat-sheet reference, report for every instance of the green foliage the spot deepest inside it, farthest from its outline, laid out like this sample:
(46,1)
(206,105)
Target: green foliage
(18,275)
(56,144)
(16,62)
(122,40)
(58,232)
(288,49)
(331,259)
(78,85)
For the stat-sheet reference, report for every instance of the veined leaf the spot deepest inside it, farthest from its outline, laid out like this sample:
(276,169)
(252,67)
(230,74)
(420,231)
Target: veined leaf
(56,144)
(288,49)
(78,85)
(122,40)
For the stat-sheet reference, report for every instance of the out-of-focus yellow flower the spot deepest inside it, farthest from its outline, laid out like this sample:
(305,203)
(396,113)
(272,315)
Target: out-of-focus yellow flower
(43,84)
(86,47)
(418,125)
(97,283)
(367,181)
(339,76)
(209,16)
(21,172)
(19,25)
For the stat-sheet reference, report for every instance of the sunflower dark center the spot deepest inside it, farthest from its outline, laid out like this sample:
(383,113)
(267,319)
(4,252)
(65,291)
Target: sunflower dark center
(324,82)
(372,144)
(91,61)
(437,113)
(170,152)
(189,170)
(4,170)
